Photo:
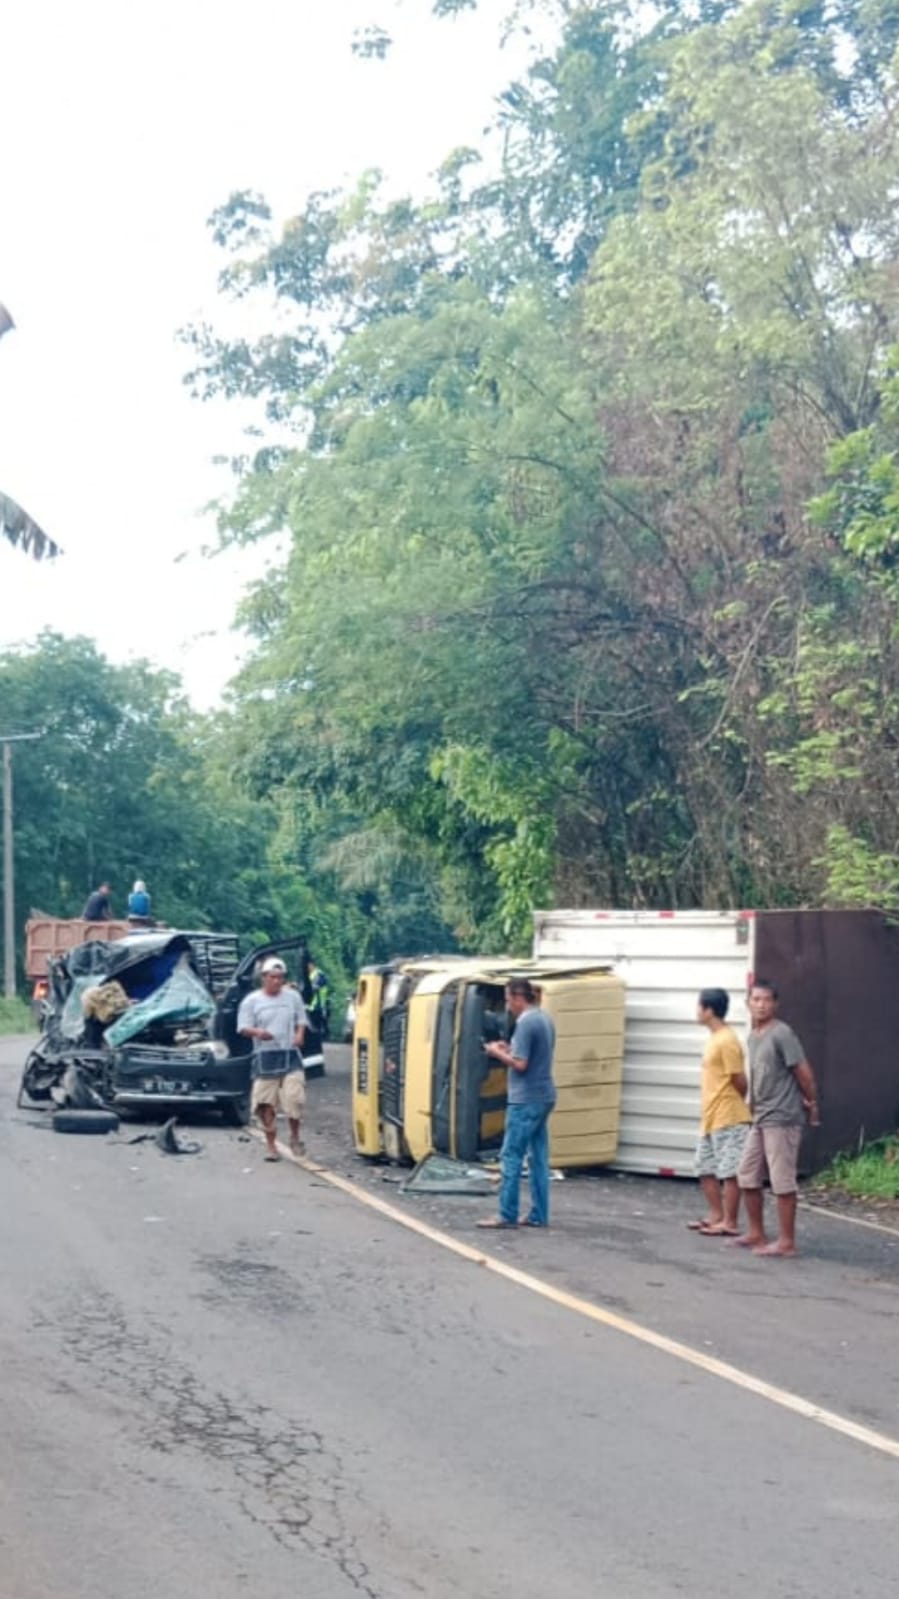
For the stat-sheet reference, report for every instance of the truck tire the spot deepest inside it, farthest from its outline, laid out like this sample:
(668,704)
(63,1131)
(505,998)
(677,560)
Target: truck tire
(235,1112)
(85,1121)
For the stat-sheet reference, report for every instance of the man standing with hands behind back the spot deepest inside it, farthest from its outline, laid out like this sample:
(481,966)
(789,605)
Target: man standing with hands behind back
(531,1097)
(782,1093)
(274,1017)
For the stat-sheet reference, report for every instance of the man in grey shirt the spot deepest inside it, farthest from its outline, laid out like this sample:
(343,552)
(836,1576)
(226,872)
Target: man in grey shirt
(782,1095)
(274,1017)
(531,1097)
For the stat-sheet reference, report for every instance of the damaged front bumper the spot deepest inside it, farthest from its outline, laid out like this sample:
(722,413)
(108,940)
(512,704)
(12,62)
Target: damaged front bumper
(150,1076)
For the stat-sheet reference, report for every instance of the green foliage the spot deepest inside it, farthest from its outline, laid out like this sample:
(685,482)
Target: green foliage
(872,1174)
(15,1017)
(555,621)
(128,782)
(858,876)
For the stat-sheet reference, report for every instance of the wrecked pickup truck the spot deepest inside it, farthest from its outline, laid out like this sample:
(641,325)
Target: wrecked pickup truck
(148,1021)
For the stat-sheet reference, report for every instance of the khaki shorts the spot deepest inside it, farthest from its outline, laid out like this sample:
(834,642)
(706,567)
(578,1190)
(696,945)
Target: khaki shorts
(774,1150)
(287,1093)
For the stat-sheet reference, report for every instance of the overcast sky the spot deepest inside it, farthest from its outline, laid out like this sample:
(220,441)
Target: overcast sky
(121,127)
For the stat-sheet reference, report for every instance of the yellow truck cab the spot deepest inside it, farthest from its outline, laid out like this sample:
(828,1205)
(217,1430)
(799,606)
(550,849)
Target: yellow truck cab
(422,1082)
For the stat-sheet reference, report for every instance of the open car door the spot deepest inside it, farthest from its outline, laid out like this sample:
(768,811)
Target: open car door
(295,954)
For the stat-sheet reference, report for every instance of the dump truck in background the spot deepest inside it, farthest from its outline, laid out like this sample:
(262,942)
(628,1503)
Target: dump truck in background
(423,1084)
(838,977)
(46,937)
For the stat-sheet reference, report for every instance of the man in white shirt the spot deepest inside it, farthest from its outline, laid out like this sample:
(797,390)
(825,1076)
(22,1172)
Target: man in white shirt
(274,1017)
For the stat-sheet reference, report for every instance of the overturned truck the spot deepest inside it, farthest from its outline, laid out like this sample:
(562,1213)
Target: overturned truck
(150,1021)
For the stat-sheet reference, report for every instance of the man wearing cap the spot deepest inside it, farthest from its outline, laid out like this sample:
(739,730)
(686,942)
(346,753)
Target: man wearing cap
(274,1017)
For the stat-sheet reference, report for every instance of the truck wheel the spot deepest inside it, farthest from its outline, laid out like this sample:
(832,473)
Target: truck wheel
(235,1112)
(85,1121)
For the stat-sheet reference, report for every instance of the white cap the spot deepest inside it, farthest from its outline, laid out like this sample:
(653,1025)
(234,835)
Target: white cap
(274,964)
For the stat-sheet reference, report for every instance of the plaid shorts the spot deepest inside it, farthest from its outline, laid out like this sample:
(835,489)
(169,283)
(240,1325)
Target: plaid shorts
(719,1154)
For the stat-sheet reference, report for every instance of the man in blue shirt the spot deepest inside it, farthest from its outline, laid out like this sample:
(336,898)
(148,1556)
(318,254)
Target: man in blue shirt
(530,1100)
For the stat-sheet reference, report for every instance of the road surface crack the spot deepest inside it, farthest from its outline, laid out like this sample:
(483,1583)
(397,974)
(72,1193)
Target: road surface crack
(290,1483)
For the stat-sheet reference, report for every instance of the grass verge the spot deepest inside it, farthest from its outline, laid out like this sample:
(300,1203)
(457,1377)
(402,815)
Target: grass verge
(15,1017)
(871,1174)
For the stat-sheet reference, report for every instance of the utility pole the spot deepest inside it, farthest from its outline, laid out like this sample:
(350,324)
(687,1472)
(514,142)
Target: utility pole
(9,914)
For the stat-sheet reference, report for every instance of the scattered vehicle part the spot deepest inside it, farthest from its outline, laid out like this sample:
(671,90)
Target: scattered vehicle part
(77,1091)
(38,1079)
(85,1121)
(440,1174)
(166,1139)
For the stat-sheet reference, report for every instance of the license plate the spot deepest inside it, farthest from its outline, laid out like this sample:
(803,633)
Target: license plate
(165,1085)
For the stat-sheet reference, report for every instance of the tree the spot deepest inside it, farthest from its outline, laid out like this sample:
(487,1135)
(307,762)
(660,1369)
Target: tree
(15,523)
(542,447)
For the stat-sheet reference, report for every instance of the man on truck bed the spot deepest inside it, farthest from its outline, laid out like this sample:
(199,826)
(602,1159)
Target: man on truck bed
(139,903)
(782,1093)
(531,1097)
(98,907)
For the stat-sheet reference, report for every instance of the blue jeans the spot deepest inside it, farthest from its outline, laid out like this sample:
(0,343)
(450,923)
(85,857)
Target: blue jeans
(526,1134)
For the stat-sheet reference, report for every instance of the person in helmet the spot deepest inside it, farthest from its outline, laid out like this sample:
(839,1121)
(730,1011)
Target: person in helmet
(274,1017)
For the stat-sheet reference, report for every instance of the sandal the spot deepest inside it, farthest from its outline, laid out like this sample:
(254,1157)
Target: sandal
(495,1222)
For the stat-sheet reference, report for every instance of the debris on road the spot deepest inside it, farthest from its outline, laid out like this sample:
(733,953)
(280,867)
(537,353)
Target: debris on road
(85,1121)
(166,1140)
(441,1174)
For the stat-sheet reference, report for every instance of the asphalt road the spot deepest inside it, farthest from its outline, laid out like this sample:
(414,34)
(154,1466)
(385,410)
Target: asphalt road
(224,1377)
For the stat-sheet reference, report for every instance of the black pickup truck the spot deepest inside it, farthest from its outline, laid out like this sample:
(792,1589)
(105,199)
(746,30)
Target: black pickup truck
(150,1021)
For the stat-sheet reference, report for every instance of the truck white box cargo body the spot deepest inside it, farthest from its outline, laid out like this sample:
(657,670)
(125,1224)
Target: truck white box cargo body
(665,958)
(838,976)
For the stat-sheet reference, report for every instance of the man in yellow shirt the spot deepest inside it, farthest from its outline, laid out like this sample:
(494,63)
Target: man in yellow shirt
(725,1118)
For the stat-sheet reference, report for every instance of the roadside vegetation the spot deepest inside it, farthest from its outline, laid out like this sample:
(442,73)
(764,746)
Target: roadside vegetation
(871,1174)
(15,1017)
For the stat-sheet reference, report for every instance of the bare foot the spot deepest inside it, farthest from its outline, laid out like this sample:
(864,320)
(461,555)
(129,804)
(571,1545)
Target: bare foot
(272,1154)
(748,1241)
(297,1147)
(778,1249)
(704,1225)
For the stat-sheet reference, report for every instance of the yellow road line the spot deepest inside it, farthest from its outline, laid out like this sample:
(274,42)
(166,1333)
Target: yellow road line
(799,1406)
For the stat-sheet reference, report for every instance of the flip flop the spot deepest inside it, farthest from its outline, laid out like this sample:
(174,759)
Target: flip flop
(695,1226)
(271,1155)
(495,1222)
(719,1232)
